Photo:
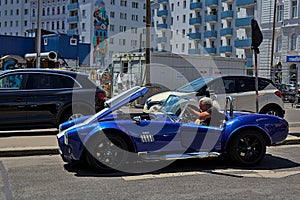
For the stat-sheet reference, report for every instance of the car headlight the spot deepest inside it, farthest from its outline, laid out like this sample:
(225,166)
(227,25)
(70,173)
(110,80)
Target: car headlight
(66,138)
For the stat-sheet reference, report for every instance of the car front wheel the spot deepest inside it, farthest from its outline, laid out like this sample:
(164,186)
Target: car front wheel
(247,148)
(107,153)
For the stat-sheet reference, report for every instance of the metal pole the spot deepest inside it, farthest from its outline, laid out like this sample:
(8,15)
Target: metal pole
(256,78)
(148,26)
(273,38)
(39,33)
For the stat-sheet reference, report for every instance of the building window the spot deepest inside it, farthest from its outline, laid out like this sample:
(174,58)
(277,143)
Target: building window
(122,28)
(293,42)
(123,3)
(62,25)
(123,15)
(112,14)
(26,12)
(294,9)
(33,12)
(112,27)
(57,25)
(112,2)
(280,10)
(278,44)
(58,10)
(135,5)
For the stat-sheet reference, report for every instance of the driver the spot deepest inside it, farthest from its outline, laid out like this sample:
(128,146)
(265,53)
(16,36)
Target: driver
(209,114)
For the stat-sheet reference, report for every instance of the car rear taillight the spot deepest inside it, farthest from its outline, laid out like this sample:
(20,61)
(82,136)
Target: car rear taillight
(279,94)
(101,95)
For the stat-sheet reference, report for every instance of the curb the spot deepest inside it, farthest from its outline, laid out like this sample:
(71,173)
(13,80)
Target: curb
(28,152)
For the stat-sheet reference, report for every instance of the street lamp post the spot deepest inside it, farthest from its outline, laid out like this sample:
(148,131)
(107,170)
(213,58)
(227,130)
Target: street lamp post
(39,33)
(273,38)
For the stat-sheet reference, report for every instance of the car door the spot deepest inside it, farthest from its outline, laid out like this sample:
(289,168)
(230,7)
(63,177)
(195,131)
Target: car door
(245,95)
(198,137)
(46,96)
(13,99)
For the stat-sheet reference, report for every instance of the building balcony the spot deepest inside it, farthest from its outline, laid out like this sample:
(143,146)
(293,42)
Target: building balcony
(227,32)
(72,32)
(211,3)
(243,22)
(211,50)
(228,14)
(226,49)
(194,51)
(73,6)
(210,34)
(72,19)
(162,26)
(211,18)
(196,6)
(163,1)
(245,3)
(162,13)
(195,21)
(243,44)
(195,36)
(161,40)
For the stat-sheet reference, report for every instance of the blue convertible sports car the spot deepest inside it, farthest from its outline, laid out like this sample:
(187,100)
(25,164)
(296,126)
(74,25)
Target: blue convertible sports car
(112,137)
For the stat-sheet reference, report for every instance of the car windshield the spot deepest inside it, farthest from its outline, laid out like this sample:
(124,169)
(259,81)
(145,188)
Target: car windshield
(196,85)
(174,105)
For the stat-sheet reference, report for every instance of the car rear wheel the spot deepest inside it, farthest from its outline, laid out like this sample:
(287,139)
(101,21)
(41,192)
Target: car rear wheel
(247,148)
(271,111)
(107,153)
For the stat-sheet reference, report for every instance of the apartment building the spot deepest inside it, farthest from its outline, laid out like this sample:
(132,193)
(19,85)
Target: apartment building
(283,39)
(209,27)
(19,17)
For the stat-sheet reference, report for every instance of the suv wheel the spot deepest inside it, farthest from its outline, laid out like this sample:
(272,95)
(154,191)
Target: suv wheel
(272,111)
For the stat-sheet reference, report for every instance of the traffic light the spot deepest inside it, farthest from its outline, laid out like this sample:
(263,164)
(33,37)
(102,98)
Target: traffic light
(257,36)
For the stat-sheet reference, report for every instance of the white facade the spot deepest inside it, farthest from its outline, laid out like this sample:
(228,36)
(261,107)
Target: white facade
(19,17)
(286,37)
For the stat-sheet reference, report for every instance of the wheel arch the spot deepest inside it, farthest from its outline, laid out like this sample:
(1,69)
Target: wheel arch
(251,128)
(69,107)
(272,105)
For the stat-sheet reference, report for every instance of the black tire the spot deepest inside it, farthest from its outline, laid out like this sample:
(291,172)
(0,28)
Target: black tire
(69,114)
(272,111)
(107,153)
(247,148)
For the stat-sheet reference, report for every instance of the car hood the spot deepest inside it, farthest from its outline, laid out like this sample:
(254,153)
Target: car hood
(118,101)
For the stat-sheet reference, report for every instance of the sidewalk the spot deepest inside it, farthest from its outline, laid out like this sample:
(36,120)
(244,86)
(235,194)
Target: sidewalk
(47,144)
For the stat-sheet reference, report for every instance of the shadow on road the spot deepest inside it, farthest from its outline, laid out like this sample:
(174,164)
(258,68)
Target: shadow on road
(191,165)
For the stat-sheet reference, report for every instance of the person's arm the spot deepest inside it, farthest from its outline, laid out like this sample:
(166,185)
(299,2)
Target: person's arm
(200,115)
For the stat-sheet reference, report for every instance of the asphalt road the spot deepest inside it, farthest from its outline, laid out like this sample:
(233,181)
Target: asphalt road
(47,177)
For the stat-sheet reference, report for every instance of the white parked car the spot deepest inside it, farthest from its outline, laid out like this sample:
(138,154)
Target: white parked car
(240,88)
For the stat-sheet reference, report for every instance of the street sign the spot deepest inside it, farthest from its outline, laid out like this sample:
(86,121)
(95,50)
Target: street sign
(293,59)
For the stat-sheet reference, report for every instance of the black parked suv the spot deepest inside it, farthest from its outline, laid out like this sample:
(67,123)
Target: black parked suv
(44,98)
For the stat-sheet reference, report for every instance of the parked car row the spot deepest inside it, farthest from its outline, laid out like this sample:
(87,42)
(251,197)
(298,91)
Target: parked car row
(41,98)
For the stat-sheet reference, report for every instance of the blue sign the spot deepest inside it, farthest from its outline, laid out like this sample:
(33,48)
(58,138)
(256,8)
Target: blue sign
(293,59)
